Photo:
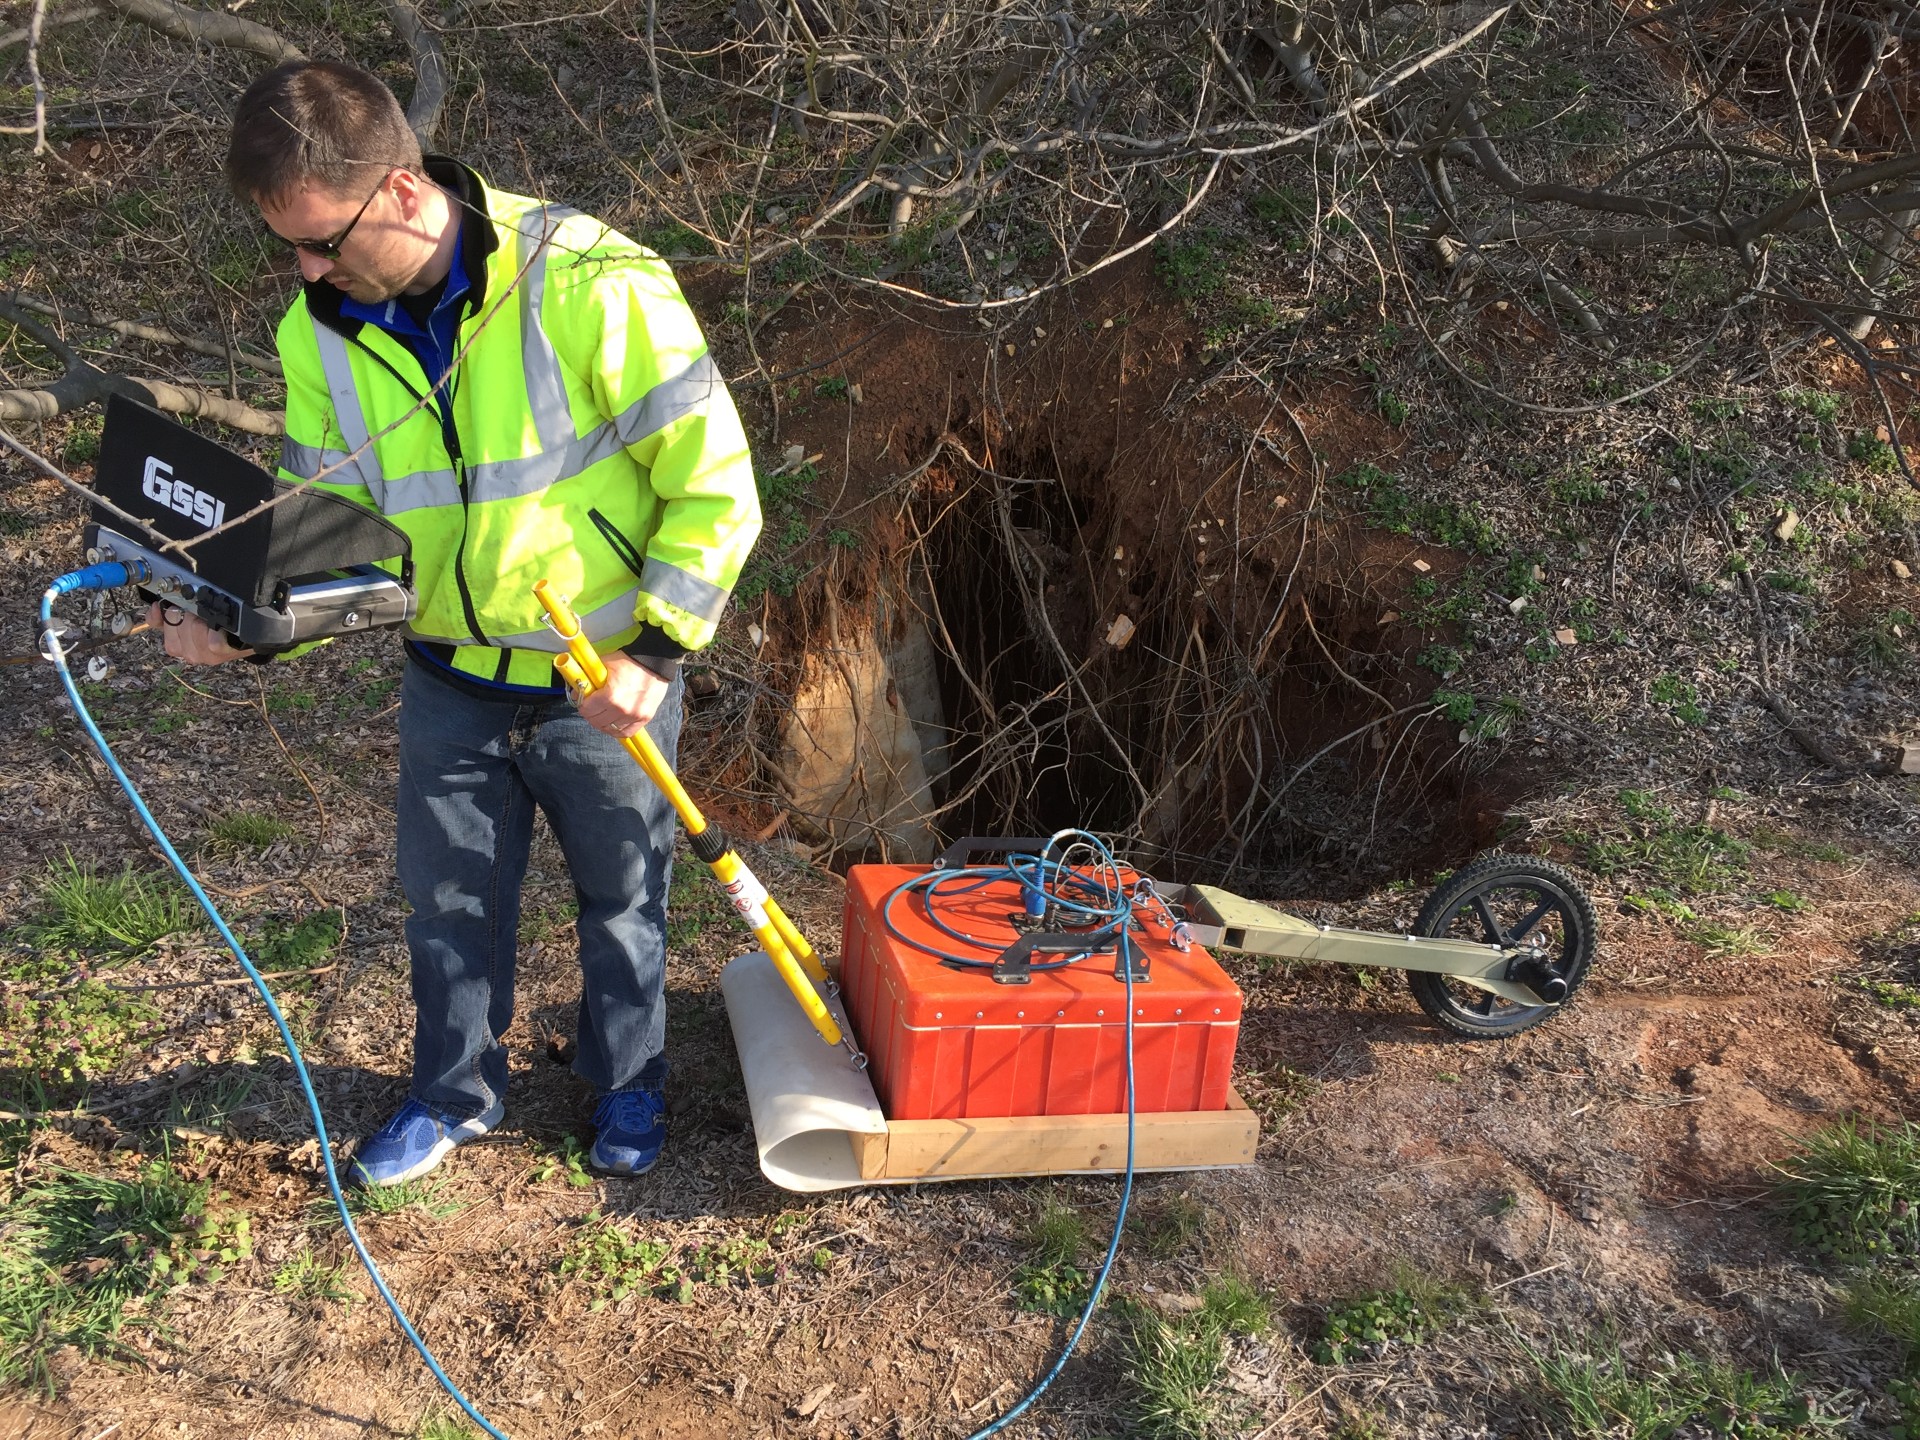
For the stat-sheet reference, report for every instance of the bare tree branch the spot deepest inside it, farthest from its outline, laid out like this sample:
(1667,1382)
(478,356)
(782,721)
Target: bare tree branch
(140,330)
(430,80)
(84,383)
(208,27)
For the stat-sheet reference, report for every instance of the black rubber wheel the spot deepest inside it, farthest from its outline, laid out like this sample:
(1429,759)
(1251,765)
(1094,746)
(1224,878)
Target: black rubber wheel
(1505,900)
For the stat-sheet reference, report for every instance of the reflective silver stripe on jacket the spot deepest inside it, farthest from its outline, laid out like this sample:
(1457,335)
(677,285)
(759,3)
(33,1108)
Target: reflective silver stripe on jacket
(701,599)
(546,384)
(307,461)
(365,466)
(599,624)
(674,398)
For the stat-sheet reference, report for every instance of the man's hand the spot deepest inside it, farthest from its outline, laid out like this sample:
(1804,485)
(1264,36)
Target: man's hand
(628,700)
(190,638)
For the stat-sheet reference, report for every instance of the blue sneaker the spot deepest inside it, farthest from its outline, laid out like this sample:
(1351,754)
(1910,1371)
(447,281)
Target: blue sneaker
(632,1126)
(414,1141)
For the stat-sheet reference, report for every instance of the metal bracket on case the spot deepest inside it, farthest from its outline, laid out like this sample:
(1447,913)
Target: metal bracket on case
(1015,965)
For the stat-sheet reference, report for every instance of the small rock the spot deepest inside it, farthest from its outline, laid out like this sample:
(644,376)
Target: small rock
(1388,617)
(1014,292)
(1900,570)
(1539,575)
(757,636)
(813,1401)
(1011,348)
(1422,566)
(777,215)
(1514,607)
(1910,759)
(1106,324)
(856,394)
(793,455)
(1174,1306)
(1038,333)
(1789,523)
(1120,631)
(1119,552)
(1566,636)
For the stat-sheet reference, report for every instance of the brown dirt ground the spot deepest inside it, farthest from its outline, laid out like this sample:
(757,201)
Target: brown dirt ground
(1611,1166)
(1613,1163)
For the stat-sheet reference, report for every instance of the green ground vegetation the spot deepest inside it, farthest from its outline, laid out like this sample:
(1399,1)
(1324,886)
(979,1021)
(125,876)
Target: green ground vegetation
(84,1256)
(1654,847)
(1052,1280)
(1410,1312)
(1598,1394)
(1173,1364)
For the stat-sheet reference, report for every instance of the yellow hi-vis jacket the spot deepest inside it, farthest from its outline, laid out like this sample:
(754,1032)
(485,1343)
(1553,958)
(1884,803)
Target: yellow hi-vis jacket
(590,442)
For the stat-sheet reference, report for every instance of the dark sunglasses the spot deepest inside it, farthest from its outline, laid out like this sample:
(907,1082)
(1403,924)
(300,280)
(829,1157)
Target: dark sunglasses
(330,249)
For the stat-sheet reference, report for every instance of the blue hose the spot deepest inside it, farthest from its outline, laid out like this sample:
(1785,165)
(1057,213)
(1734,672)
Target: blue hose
(1050,878)
(1111,910)
(107,576)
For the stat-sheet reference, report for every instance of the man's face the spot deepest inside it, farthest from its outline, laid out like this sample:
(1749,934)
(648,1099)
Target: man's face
(386,247)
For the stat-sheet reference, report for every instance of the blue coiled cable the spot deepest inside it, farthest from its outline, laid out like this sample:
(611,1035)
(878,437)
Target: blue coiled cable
(1053,878)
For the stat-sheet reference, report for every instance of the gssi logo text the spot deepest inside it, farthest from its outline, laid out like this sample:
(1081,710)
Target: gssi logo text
(180,497)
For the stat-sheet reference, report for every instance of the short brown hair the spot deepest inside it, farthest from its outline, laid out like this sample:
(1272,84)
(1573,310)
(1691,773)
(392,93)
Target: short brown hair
(314,122)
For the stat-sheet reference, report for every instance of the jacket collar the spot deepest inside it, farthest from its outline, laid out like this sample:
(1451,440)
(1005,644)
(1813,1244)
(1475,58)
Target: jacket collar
(478,240)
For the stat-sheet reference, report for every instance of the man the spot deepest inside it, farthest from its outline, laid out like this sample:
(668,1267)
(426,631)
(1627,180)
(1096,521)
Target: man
(527,395)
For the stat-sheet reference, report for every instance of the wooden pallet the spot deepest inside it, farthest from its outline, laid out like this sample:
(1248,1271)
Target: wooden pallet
(1058,1144)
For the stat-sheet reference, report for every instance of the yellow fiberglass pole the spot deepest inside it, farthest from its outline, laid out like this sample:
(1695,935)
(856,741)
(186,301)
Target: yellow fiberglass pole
(582,668)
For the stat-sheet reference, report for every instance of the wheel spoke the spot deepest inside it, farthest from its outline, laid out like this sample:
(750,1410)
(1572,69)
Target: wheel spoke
(1485,912)
(1519,932)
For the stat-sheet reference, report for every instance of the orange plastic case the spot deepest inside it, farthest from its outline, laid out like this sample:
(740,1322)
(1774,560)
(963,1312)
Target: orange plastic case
(946,1044)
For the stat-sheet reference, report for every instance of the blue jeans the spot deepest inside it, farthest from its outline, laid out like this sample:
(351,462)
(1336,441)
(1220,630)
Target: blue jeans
(471,772)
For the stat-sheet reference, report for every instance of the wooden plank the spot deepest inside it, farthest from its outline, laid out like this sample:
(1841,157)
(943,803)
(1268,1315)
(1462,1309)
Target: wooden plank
(1064,1144)
(869,1154)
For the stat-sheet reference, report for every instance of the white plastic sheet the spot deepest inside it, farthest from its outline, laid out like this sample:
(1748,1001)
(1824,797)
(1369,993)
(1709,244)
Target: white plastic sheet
(806,1096)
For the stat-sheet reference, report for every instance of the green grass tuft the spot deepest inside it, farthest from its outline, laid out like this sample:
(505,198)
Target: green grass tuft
(1889,1304)
(1173,1365)
(1169,1227)
(1852,1192)
(1601,1396)
(438,1424)
(1684,859)
(1052,1281)
(391,1199)
(242,832)
(82,909)
(309,1278)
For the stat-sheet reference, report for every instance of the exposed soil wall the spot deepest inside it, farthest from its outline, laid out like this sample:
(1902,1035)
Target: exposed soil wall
(1148,613)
